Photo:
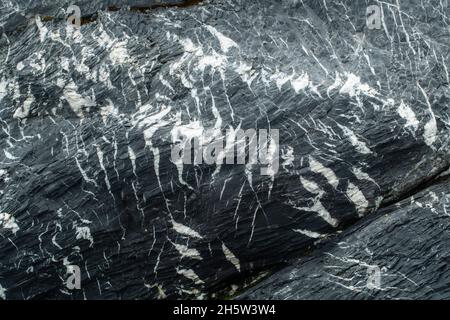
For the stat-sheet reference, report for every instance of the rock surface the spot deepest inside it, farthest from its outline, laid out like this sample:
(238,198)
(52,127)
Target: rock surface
(406,243)
(89,117)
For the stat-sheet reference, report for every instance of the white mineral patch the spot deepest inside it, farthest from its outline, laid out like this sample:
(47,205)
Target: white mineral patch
(24,111)
(8,222)
(337,83)
(225,42)
(231,257)
(189,46)
(310,234)
(430,133)
(281,78)
(215,61)
(43,31)
(186,252)
(3,174)
(408,114)
(247,73)
(132,156)
(3,89)
(361,175)
(329,174)
(184,230)
(300,83)
(430,128)
(76,100)
(317,207)
(358,198)
(20,66)
(190,274)
(354,87)
(288,157)
(83,173)
(9,156)
(183,134)
(359,145)
(2,293)
(84,233)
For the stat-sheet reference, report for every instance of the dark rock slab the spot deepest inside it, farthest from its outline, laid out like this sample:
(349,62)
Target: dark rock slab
(88,118)
(407,244)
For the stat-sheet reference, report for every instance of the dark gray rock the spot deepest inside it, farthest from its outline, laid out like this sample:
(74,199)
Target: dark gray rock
(17,14)
(88,116)
(407,243)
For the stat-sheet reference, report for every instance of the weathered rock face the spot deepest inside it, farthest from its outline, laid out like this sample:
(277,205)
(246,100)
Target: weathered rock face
(18,14)
(89,118)
(406,243)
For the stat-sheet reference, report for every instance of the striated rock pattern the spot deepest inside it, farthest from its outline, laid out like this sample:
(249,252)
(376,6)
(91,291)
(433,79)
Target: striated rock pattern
(406,243)
(89,118)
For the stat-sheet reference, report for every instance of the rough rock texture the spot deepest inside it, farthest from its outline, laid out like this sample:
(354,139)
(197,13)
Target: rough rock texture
(89,117)
(18,14)
(408,242)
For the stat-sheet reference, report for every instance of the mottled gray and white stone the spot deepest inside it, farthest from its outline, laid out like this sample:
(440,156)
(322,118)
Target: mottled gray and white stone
(87,118)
